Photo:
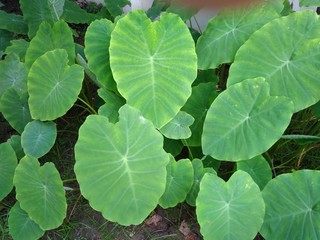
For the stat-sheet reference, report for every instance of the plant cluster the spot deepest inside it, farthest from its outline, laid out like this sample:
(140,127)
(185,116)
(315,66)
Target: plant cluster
(160,97)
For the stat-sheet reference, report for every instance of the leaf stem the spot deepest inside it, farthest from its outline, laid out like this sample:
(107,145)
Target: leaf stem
(88,105)
(189,149)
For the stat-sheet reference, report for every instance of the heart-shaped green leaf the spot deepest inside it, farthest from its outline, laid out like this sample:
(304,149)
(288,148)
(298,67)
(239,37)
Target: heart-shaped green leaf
(198,173)
(258,168)
(227,31)
(8,163)
(98,37)
(50,38)
(178,127)
(289,59)
(292,206)
(121,168)
(53,86)
(38,138)
(21,226)
(230,210)
(13,23)
(154,64)
(40,192)
(15,109)
(245,121)
(179,182)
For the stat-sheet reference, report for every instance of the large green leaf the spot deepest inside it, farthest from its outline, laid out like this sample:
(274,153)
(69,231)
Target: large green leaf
(50,38)
(197,105)
(53,86)
(245,121)
(98,37)
(178,127)
(19,47)
(198,172)
(289,59)
(292,206)
(8,163)
(40,192)
(230,210)
(15,109)
(227,31)
(13,74)
(36,12)
(21,226)
(179,182)
(153,63)
(38,138)
(121,168)
(13,23)
(258,168)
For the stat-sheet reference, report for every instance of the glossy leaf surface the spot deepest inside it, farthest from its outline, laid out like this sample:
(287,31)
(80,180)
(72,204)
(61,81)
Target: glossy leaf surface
(289,55)
(38,138)
(292,206)
(229,210)
(21,226)
(126,179)
(178,127)
(98,37)
(245,121)
(53,86)
(179,182)
(258,168)
(40,192)
(48,38)
(227,31)
(154,64)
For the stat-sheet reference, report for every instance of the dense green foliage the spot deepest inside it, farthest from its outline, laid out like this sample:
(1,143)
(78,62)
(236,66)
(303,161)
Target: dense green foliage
(155,84)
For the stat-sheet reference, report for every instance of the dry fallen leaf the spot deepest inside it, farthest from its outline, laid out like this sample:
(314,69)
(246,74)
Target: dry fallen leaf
(185,230)
(153,220)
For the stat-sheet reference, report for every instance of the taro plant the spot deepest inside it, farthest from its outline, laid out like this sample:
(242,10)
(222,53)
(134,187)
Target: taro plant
(160,95)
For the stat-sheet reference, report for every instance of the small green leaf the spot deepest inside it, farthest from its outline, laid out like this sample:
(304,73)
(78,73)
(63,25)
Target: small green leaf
(197,105)
(258,168)
(51,38)
(232,129)
(21,226)
(38,138)
(112,105)
(183,11)
(127,178)
(8,163)
(98,37)
(178,127)
(292,206)
(309,3)
(18,47)
(40,192)
(15,109)
(199,172)
(179,182)
(5,37)
(172,146)
(53,86)
(230,210)
(13,23)
(13,73)
(153,63)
